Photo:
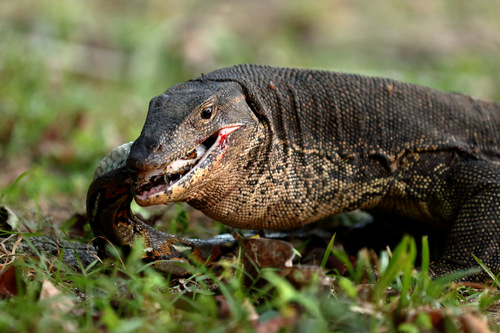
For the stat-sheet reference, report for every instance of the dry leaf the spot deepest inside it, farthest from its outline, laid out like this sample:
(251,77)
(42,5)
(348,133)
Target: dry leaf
(8,283)
(60,305)
(277,324)
(301,276)
(8,220)
(264,252)
(261,253)
(64,304)
(473,323)
(253,316)
(436,316)
(224,310)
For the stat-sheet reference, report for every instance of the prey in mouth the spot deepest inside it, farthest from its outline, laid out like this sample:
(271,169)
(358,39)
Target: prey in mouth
(168,183)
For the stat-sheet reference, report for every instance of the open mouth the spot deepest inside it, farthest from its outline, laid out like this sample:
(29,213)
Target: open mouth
(154,183)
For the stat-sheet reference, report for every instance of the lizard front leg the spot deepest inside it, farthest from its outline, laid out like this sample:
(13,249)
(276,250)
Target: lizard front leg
(476,230)
(108,209)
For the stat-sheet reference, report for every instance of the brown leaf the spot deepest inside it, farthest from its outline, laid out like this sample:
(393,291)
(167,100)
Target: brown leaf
(264,252)
(301,276)
(473,323)
(277,324)
(224,310)
(8,282)
(335,263)
(48,290)
(64,303)
(436,316)
(59,305)
(252,315)
(261,253)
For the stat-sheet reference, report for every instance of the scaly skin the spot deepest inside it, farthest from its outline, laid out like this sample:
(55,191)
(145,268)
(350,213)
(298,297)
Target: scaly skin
(294,146)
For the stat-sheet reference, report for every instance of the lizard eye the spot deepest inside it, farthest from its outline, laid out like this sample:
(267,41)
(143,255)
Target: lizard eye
(207,112)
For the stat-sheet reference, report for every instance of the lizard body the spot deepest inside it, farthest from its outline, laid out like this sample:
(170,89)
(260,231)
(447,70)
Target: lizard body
(279,148)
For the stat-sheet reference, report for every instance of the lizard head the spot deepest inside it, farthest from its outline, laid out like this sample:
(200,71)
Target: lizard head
(195,133)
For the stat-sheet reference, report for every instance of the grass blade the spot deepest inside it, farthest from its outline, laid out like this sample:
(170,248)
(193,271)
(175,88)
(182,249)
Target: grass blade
(328,252)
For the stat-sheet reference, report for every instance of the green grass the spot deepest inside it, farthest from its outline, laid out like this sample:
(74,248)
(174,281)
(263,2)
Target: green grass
(76,81)
(129,296)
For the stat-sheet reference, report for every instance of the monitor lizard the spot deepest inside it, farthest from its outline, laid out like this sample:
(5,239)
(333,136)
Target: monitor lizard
(259,147)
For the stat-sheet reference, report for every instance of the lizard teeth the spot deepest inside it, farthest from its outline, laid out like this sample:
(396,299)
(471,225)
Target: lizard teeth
(186,162)
(158,181)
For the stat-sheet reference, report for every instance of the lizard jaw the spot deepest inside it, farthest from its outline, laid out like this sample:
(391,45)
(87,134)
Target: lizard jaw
(169,183)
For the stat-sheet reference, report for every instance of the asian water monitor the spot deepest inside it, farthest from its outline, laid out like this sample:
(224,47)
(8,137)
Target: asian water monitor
(258,147)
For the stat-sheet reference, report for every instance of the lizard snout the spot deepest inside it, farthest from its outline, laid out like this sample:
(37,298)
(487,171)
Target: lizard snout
(138,159)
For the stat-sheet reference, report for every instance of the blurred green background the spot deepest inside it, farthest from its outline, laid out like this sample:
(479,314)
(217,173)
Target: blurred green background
(77,76)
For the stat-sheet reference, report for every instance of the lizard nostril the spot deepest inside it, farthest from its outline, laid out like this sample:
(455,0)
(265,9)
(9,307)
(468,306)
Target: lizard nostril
(159,148)
(142,152)
(137,157)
